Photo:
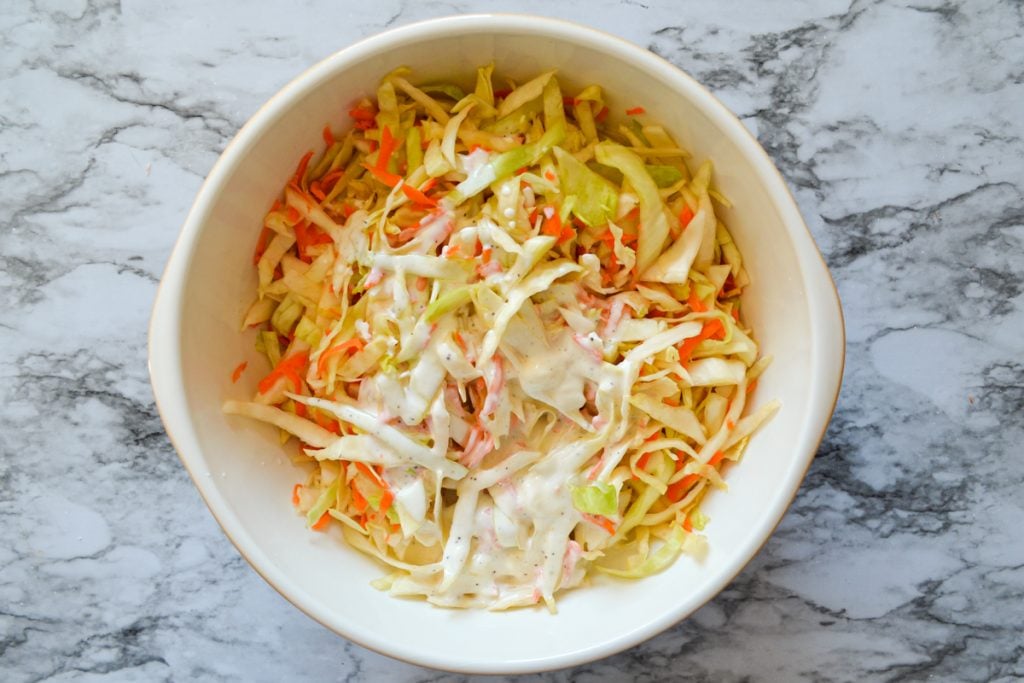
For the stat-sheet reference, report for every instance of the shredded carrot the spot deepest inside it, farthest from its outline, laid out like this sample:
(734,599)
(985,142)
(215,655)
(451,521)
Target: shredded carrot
(552,226)
(569,101)
(568,233)
(601,115)
(685,216)
(601,521)
(417,196)
(291,214)
(635,111)
(328,136)
(300,172)
(347,210)
(389,179)
(421,283)
(326,422)
(261,245)
(302,240)
(485,255)
(355,344)
(322,523)
(289,368)
(712,329)
(687,524)
(387,148)
(238,371)
(751,386)
(550,175)
(329,179)
(365,469)
(295,494)
(695,303)
(358,502)
(676,491)
(316,191)
(459,340)
(730,425)
(362,113)
(386,499)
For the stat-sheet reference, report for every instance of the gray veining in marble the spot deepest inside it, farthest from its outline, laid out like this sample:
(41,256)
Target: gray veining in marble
(900,128)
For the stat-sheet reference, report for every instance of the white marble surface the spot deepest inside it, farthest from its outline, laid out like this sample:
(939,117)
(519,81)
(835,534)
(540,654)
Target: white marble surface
(900,127)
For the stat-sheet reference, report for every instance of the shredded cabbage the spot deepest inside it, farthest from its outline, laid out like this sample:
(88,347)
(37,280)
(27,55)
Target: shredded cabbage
(506,332)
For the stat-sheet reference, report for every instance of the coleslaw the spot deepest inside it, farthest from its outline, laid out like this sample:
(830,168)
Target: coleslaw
(504,328)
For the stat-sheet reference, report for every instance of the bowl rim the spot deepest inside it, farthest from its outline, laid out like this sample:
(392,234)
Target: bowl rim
(164,358)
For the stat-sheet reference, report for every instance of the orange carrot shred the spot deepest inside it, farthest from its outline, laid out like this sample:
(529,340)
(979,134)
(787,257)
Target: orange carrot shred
(552,226)
(322,523)
(362,467)
(300,172)
(695,303)
(352,344)
(295,494)
(687,524)
(326,422)
(635,111)
(712,329)
(387,148)
(238,371)
(316,191)
(362,114)
(261,245)
(328,136)
(302,240)
(685,216)
(601,521)
(389,179)
(358,502)
(288,367)
(417,196)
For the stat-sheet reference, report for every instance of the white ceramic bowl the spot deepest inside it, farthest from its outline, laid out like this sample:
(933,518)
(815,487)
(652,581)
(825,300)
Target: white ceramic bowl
(238,465)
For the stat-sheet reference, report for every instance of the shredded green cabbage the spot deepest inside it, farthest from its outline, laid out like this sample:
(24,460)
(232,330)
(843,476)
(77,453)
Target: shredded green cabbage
(506,329)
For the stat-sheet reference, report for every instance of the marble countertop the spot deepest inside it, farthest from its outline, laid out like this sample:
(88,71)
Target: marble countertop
(900,128)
